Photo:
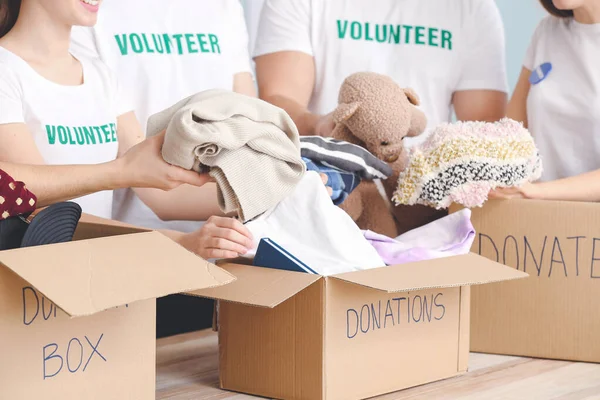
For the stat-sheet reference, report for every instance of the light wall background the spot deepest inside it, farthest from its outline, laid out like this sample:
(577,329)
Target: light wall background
(520,19)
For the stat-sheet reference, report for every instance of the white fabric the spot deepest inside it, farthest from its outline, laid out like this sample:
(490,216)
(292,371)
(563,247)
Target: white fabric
(208,45)
(563,109)
(466,50)
(69,124)
(315,231)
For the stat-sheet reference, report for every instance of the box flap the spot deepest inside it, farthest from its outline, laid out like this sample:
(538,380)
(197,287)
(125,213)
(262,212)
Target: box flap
(91,227)
(92,219)
(89,276)
(469,269)
(263,287)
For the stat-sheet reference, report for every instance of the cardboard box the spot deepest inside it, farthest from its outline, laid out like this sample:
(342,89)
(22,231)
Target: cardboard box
(554,312)
(291,335)
(110,284)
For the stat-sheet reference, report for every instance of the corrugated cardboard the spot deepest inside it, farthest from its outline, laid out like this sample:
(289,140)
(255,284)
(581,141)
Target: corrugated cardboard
(291,335)
(77,320)
(553,313)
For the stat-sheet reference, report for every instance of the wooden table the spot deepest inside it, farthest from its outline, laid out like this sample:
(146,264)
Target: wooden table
(187,369)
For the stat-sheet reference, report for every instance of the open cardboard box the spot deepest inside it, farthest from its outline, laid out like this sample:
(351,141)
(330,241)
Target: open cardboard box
(108,279)
(291,335)
(553,313)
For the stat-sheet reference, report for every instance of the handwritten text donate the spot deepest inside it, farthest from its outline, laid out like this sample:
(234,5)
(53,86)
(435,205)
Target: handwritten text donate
(545,256)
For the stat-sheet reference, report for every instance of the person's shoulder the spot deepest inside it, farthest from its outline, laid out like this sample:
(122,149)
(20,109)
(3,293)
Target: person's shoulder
(547,26)
(9,67)
(550,23)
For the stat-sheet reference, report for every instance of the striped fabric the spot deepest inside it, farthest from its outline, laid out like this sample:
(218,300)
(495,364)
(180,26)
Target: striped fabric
(344,156)
(341,182)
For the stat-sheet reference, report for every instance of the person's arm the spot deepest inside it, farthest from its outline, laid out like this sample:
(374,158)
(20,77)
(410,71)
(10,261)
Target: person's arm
(479,105)
(584,187)
(186,202)
(286,79)
(56,183)
(142,166)
(517,107)
(244,84)
(481,92)
(285,67)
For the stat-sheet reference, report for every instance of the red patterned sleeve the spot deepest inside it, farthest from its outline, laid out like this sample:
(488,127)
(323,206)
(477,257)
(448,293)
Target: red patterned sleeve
(15,199)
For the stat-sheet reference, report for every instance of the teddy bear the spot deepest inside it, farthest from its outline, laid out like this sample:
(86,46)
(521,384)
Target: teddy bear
(376,113)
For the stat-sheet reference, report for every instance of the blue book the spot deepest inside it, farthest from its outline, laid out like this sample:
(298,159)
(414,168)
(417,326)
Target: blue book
(271,255)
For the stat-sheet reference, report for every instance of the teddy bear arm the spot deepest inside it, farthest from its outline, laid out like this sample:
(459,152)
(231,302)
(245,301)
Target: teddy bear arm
(412,217)
(376,215)
(353,204)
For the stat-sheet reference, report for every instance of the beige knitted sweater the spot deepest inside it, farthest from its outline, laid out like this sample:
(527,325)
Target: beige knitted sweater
(250,147)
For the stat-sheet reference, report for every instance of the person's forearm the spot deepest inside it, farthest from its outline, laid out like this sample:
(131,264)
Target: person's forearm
(304,119)
(173,235)
(244,84)
(584,187)
(189,203)
(55,183)
(479,105)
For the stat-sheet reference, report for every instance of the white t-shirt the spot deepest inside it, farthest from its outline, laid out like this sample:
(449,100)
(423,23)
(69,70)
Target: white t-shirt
(437,47)
(563,110)
(70,124)
(163,51)
(252,10)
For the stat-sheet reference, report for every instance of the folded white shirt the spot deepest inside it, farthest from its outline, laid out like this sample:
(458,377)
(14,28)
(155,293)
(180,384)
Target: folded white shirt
(309,226)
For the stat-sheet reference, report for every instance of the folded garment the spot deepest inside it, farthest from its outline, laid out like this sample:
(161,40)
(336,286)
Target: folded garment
(341,182)
(462,162)
(344,156)
(309,226)
(250,147)
(450,236)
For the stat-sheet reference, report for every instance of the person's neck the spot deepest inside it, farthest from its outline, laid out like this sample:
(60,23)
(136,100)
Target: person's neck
(49,40)
(588,14)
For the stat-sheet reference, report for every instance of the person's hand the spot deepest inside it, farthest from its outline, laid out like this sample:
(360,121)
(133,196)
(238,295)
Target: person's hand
(219,237)
(522,192)
(143,167)
(324,126)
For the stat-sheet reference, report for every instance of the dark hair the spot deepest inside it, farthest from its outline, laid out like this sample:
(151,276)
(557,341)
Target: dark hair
(9,11)
(551,8)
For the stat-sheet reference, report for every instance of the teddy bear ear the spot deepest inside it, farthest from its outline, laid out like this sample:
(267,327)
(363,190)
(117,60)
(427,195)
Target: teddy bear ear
(412,96)
(344,111)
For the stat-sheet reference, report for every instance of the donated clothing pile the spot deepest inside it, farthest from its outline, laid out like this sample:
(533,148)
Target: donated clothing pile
(253,151)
